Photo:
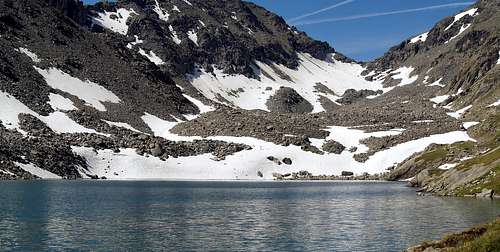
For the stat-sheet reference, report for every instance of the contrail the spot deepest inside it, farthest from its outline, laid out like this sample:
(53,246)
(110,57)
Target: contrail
(320,11)
(328,20)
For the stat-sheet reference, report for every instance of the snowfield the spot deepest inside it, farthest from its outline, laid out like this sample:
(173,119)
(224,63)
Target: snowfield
(92,93)
(245,165)
(57,121)
(247,93)
(58,102)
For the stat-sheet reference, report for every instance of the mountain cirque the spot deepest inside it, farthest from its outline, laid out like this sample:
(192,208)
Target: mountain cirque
(211,89)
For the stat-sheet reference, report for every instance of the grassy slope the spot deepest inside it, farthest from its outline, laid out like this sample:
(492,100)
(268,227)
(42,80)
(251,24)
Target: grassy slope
(484,237)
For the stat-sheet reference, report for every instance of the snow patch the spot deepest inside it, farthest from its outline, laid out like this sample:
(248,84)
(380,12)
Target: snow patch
(471,12)
(233,16)
(447,166)
(248,93)
(439,99)
(404,74)
(193,37)
(468,125)
(115,21)
(159,126)
(162,14)
(61,123)
(30,54)
(57,121)
(93,94)
(437,83)
(457,114)
(37,171)
(152,57)
(7,172)
(352,137)
(202,107)
(497,103)
(462,29)
(122,125)
(175,38)
(60,103)
(422,37)
(136,42)
(189,3)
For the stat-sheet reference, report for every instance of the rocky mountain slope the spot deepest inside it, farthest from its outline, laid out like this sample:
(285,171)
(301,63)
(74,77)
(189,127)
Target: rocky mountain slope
(227,90)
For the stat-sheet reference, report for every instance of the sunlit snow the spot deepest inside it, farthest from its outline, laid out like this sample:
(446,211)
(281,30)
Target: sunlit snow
(57,121)
(447,166)
(115,21)
(471,12)
(437,83)
(193,37)
(37,171)
(152,57)
(122,125)
(58,102)
(30,54)
(162,14)
(468,125)
(175,38)
(404,74)
(457,114)
(421,37)
(497,103)
(93,94)
(439,99)
(462,29)
(248,93)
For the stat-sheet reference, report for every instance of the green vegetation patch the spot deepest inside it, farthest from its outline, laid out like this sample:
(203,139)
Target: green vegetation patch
(484,159)
(483,238)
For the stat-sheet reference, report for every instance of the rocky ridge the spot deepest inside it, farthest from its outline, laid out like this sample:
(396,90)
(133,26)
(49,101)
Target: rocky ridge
(145,53)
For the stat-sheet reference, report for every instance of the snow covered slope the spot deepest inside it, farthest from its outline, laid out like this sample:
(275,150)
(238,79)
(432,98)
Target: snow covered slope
(201,89)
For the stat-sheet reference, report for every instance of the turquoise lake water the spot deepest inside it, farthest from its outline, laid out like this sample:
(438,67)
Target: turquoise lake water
(227,216)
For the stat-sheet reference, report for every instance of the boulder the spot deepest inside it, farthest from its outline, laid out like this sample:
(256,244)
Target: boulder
(287,161)
(333,147)
(157,150)
(347,173)
(287,100)
(485,193)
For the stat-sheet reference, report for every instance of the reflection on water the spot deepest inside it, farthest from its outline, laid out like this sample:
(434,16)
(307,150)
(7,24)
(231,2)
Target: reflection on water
(340,216)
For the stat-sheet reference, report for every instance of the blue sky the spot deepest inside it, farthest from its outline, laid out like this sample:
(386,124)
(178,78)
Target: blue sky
(363,38)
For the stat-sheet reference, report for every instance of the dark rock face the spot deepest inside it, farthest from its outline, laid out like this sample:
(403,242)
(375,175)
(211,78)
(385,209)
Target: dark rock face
(53,155)
(333,147)
(287,100)
(231,35)
(287,161)
(347,173)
